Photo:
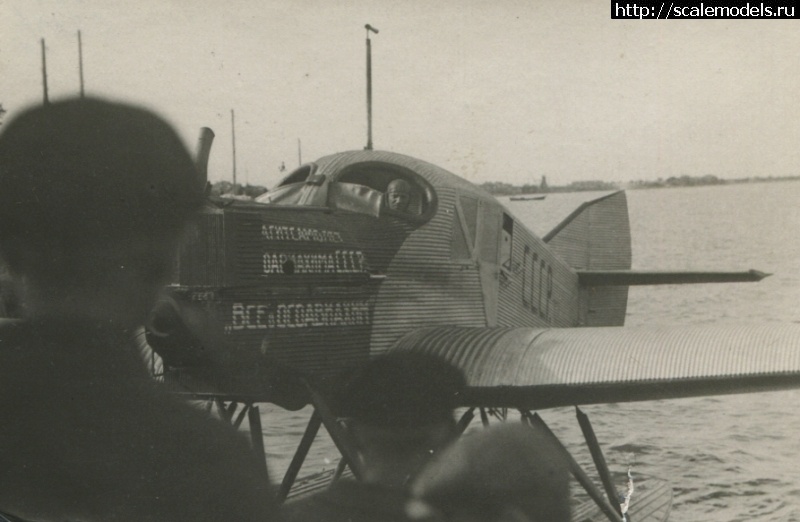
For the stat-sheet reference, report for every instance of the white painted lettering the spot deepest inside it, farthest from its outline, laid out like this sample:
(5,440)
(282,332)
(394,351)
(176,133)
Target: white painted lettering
(338,262)
(237,316)
(288,233)
(298,315)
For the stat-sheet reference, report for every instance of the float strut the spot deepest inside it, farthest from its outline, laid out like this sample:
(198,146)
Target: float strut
(239,418)
(230,410)
(341,437)
(337,473)
(300,455)
(484,418)
(256,434)
(599,460)
(577,472)
(226,412)
(464,421)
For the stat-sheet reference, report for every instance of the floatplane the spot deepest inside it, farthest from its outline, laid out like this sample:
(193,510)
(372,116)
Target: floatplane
(274,298)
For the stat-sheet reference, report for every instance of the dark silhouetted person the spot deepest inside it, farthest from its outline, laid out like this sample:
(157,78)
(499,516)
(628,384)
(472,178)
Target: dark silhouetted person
(95,198)
(399,410)
(505,473)
(9,307)
(398,195)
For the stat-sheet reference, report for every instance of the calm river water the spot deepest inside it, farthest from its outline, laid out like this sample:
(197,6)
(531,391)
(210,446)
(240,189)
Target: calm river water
(731,458)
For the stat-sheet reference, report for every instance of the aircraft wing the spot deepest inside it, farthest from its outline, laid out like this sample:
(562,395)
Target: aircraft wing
(531,368)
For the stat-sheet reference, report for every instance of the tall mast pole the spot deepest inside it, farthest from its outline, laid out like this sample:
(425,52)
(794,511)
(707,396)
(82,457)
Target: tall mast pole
(369,87)
(233,140)
(44,74)
(80,60)
(299,153)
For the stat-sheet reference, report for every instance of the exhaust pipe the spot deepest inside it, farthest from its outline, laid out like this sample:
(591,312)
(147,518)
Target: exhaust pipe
(203,151)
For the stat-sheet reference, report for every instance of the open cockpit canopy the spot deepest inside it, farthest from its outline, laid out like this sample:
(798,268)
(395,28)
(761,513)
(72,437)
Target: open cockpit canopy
(359,186)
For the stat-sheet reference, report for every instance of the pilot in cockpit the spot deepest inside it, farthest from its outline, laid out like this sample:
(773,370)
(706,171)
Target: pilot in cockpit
(398,195)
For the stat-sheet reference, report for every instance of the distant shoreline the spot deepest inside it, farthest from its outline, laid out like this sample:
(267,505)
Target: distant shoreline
(498,188)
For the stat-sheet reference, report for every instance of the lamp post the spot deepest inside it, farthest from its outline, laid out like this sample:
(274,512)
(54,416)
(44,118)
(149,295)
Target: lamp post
(369,87)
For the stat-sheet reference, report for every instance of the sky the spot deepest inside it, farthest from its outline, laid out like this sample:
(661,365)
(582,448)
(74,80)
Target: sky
(509,91)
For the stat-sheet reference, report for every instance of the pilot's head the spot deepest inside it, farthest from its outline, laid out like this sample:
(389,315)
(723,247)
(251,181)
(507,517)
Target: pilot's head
(398,195)
(399,408)
(95,197)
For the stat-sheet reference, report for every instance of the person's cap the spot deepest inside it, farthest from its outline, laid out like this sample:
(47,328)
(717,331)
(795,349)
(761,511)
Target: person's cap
(506,465)
(86,171)
(402,390)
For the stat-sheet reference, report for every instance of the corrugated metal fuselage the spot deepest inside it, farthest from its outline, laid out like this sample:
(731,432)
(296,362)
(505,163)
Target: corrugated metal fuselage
(326,282)
(321,289)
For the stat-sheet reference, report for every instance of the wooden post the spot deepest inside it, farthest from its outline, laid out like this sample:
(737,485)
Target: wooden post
(44,74)
(80,60)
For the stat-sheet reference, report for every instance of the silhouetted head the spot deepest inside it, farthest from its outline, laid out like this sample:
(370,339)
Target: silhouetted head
(95,197)
(508,473)
(398,194)
(399,408)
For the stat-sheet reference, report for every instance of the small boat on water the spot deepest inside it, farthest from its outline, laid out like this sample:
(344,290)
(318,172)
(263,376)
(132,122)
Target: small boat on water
(527,198)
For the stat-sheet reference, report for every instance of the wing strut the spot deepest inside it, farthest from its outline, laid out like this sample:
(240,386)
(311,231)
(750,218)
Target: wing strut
(575,468)
(597,457)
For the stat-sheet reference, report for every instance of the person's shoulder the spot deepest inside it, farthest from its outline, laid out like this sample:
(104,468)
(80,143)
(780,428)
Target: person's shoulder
(19,345)
(349,501)
(11,328)
(14,357)
(65,352)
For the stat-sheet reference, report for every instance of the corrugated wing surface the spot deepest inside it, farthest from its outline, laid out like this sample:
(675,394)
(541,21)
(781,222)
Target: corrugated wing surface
(532,368)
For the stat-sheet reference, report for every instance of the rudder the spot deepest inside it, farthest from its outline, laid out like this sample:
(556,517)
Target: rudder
(597,236)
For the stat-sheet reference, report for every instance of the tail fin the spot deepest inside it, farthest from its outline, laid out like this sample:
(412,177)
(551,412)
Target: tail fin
(597,236)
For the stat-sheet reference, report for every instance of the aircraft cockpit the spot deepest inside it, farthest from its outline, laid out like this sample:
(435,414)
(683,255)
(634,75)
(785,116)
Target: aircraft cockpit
(364,188)
(292,190)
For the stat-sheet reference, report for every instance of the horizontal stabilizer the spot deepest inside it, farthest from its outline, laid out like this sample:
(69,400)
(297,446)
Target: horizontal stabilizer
(536,368)
(641,277)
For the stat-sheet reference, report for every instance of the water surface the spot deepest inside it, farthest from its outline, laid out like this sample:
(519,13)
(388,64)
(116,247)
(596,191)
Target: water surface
(731,458)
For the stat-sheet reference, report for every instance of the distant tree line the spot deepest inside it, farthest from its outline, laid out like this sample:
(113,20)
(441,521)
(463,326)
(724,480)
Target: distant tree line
(698,181)
(682,181)
(228,189)
(499,188)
